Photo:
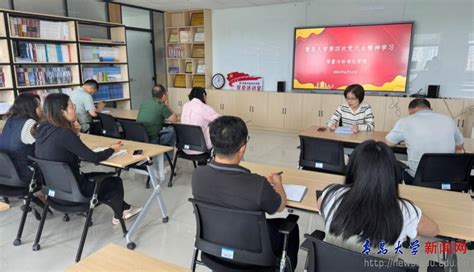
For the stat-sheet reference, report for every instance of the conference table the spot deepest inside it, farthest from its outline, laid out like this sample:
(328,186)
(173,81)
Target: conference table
(453,211)
(151,152)
(352,140)
(122,113)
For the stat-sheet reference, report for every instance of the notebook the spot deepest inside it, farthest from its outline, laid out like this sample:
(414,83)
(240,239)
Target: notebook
(294,192)
(116,154)
(344,130)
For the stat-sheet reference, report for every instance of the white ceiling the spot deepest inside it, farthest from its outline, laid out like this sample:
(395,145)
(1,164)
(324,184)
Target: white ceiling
(197,4)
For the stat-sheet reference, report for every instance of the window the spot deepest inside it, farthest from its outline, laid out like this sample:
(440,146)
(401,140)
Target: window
(135,17)
(53,7)
(87,9)
(5,4)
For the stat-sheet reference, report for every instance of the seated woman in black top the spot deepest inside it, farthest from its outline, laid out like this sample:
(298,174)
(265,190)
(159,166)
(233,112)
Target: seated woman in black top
(17,138)
(57,140)
(367,211)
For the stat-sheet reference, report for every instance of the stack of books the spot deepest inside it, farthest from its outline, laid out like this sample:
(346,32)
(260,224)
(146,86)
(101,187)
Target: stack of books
(40,52)
(103,74)
(35,28)
(175,52)
(37,76)
(109,91)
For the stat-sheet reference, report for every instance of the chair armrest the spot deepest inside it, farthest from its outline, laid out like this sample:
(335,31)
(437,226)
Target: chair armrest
(317,234)
(101,177)
(289,224)
(402,165)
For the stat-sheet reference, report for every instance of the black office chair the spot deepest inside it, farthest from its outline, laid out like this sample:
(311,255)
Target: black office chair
(236,240)
(445,171)
(322,155)
(325,257)
(135,131)
(189,137)
(109,126)
(11,185)
(61,187)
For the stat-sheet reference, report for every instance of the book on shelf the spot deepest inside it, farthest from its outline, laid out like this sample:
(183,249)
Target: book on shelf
(199,81)
(99,54)
(173,70)
(2,78)
(201,69)
(37,76)
(36,28)
(189,67)
(175,52)
(102,74)
(42,93)
(184,36)
(173,38)
(197,18)
(179,81)
(199,37)
(41,52)
(198,51)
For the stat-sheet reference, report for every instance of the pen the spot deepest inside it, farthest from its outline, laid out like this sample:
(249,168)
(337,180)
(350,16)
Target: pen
(279,173)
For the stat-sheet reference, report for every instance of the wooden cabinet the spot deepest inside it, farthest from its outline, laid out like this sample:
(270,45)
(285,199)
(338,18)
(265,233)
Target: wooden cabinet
(252,108)
(329,104)
(285,111)
(450,107)
(222,102)
(177,97)
(311,110)
(395,108)
(378,105)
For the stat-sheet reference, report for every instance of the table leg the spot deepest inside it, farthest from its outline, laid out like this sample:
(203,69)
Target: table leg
(156,176)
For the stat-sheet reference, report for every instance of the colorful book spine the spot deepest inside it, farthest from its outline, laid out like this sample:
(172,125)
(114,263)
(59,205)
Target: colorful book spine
(38,76)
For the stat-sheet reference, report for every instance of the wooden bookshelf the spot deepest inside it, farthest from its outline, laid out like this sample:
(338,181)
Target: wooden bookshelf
(188,40)
(24,49)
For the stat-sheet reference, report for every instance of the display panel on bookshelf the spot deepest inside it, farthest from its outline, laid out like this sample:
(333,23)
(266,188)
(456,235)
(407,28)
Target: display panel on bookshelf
(117,34)
(4,56)
(102,54)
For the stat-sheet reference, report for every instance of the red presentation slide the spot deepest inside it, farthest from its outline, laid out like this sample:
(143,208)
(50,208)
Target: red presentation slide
(375,56)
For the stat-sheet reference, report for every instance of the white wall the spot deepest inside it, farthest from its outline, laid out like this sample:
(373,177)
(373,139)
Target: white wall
(259,40)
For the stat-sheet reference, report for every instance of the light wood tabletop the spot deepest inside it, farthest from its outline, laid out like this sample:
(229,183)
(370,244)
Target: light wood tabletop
(116,258)
(357,138)
(122,113)
(122,161)
(453,211)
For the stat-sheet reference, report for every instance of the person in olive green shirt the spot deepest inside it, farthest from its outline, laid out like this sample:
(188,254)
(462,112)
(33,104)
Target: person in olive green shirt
(154,113)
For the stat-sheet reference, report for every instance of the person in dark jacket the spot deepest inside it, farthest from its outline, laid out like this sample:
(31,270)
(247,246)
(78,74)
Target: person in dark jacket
(17,138)
(57,139)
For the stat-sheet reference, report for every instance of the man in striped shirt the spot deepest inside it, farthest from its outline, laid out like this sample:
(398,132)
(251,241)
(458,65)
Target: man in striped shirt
(354,113)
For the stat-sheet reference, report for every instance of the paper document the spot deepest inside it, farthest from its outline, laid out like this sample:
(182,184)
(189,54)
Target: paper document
(344,130)
(105,111)
(116,154)
(294,192)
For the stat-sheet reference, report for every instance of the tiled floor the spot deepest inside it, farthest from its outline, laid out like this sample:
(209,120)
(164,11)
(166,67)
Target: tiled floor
(172,241)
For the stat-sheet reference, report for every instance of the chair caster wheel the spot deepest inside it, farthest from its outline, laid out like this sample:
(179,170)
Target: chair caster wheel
(175,174)
(17,242)
(147,186)
(36,247)
(170,184)
(66,218)
(90,224)
(165,219)
(131,245)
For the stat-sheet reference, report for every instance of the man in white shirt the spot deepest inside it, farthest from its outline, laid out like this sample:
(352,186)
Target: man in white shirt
(84,103)
(424,131)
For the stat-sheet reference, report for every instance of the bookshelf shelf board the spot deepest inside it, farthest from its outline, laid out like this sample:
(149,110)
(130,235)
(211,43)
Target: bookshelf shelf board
(41,39)
(4,63)
(47,86)
(103,43)
(113,82)
(111,100)
(102,62)
(45,63)
(6,88)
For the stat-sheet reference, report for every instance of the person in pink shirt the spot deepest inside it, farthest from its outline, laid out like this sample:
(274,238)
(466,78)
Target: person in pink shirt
(197,112)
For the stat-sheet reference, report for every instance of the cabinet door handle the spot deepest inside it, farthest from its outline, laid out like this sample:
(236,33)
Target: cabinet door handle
(250,108)
(458,122)
(285,111)
(282,110)
(253,109)
(462,124)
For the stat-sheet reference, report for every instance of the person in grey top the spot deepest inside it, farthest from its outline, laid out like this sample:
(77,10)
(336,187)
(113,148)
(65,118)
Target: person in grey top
(84,103)
(424,131)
